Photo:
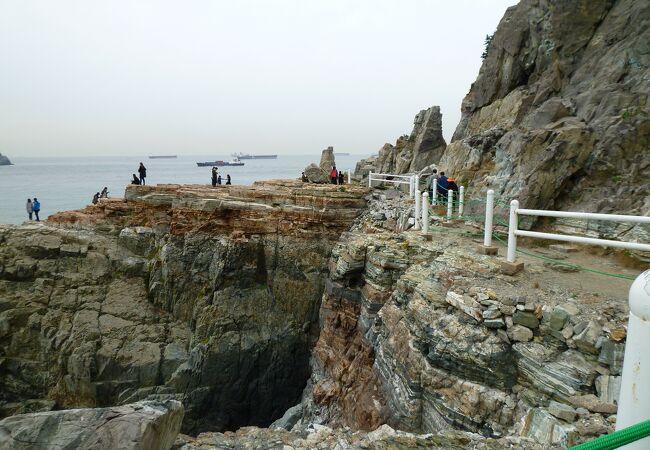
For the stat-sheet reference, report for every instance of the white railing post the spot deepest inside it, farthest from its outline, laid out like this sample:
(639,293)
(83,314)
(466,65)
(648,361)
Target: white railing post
(417,182)
(450,204)
(370,179)
(512,229)
(425,212)
(418,199)
(411,184)
(634,399)
(349,176)
(489,217)
(461,201)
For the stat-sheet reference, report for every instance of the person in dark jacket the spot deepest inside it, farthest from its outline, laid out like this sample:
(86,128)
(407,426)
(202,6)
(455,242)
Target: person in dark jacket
(219,180)
(135,180)
(104,193)
(442,188)
(142,170)
(341,177)
(214,176)
(228,179)
(304,178)
(95,198)
(36,206)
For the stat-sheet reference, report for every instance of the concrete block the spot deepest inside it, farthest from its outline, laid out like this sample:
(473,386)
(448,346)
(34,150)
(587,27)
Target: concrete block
(508,268)
(489,250)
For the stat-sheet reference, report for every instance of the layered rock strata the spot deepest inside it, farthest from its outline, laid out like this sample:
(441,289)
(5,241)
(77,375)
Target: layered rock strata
(205,295)
(411,153)
(559,116)
(429,335)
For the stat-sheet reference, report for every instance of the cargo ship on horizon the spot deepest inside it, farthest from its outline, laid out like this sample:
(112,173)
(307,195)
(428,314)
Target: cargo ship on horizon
(249,156)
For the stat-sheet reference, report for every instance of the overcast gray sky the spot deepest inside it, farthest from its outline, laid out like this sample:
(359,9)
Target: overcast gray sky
(89,77)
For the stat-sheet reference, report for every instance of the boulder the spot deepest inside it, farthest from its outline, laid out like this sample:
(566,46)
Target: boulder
(315,174)
(147,425)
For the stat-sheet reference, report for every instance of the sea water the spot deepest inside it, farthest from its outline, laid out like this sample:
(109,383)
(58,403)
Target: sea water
(63,184)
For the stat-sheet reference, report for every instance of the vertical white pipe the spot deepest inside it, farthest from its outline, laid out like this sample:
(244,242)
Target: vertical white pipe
(370,179)
(489,217)
(634,399)
(450,203)
(417,182)
(349,176)
(418,198)
(411,184)
(425,212)
(512,228)
(461,201)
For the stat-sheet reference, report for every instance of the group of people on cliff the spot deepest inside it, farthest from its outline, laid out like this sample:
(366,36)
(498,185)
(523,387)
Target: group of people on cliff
(33,208)
(98,195)
(142,172)
(216,178)
(440,185)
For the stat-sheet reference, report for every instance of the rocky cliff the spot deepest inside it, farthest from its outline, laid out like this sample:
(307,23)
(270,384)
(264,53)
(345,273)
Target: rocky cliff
(559,116)
(4,161)
(428,336)
(207,296)
(411,153)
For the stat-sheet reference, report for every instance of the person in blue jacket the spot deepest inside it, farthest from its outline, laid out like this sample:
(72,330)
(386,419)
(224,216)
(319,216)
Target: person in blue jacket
(443,186)
(36,206)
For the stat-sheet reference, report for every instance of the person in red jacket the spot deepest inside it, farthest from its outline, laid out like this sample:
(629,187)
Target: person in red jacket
(334,175)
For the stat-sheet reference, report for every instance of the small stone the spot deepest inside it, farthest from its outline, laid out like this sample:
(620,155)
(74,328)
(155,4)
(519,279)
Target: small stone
(492,295)
(612,418)
(529,306)
(494,323)
(559,316)
(611,354)
(582,411)
(520,333)
(503,336)
(567,331)
(491,314)
(507,310)
(587,339)
(562,411)
(579,327)
(618,334)
(526,319)
(481,296)
(593,404)
(509,322)
(510,301)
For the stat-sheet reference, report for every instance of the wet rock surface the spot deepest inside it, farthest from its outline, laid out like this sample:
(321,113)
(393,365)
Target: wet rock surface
(207,296)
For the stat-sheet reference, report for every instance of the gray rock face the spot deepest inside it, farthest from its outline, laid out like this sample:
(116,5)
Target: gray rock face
(327,159)
(559,115)
(4,161)
(207,297)
(148,425)
(315,174)
(411,153)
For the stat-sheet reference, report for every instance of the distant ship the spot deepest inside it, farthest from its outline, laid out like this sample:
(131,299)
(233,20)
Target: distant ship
(162,156)
(249,156)
(234,162)
(341,154)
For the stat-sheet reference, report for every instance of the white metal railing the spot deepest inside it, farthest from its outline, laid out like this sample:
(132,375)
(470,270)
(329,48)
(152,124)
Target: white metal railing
(413,181)
(513,232)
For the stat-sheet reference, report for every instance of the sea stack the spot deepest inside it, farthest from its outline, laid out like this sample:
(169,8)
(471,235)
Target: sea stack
(4,161)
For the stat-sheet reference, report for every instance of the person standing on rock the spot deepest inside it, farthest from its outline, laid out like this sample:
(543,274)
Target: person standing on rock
(304,178)
(442,187)
(104,193)
(95,198)
(214,176)
(29,208)
(453,187)
(341,177)
(142,170)
(334,176)
(219,180)
(228,181)
(36,207)
(432,182)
